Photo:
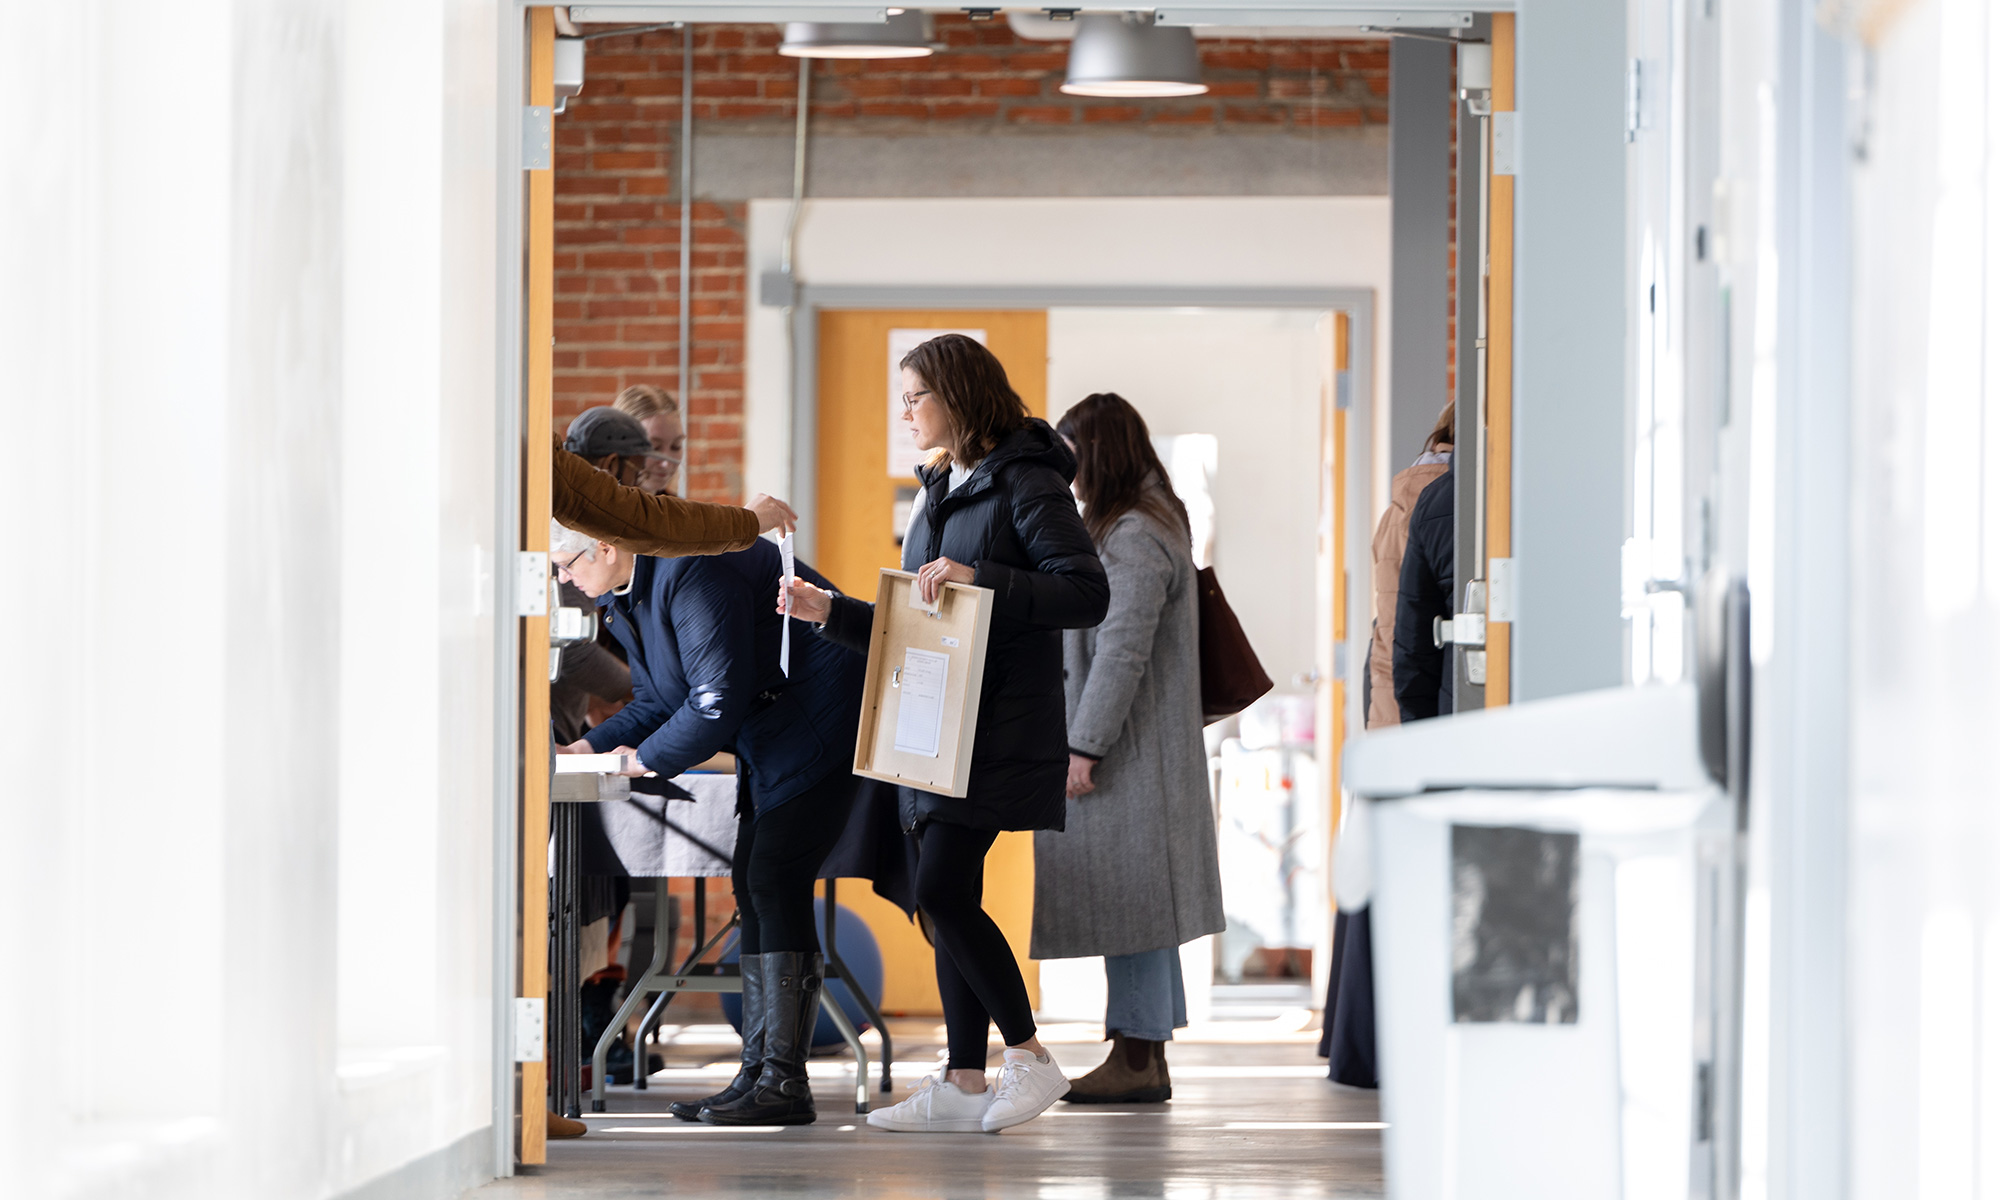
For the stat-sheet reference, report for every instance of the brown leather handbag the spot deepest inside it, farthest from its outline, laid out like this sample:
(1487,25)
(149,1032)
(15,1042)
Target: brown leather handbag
(1231,676)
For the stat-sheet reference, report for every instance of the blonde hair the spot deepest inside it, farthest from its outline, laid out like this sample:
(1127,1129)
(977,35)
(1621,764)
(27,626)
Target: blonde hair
(643,401)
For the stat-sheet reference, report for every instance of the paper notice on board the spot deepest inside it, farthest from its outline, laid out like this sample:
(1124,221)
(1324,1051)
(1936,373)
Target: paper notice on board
(786,557)
(920,718)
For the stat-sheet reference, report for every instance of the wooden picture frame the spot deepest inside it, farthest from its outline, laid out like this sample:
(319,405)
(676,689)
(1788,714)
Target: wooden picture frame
(935,657)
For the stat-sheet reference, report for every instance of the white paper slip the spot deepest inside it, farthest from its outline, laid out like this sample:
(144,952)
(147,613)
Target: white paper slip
(920,716)
(785,639)
(590,764)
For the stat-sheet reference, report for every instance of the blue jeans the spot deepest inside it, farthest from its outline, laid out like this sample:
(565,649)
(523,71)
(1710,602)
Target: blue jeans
(1144,996)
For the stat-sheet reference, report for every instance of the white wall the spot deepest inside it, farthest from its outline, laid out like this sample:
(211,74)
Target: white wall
(1340,241)
(247,302)
(1924,916)
(1252,378)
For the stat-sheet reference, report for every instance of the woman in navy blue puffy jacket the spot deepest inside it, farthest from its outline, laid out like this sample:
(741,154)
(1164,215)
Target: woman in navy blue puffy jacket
(703,645)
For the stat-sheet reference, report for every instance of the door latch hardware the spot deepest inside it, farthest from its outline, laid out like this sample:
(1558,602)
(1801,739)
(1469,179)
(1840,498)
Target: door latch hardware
(1466,629)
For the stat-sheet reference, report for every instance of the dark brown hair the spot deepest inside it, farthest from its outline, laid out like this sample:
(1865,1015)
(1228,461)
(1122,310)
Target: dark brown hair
(972,385)
(1116,465)
(1442,433)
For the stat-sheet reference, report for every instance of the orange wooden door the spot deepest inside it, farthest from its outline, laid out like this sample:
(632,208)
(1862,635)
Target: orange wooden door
(858,534)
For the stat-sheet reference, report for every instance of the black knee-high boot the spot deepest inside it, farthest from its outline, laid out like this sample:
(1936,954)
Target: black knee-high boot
(754,1011)
(782,1094)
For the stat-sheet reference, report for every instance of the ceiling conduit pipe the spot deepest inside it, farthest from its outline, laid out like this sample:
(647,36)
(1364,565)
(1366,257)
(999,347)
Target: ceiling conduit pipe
(792,287)
(687,219)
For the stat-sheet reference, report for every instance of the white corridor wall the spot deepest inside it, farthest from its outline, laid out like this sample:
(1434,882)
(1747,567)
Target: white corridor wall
(248,301)
(1254,379)
(1161,243)
(1924,921)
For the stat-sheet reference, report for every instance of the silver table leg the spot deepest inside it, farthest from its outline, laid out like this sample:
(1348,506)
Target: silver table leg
(846,1027)
(839,967)
(663,949)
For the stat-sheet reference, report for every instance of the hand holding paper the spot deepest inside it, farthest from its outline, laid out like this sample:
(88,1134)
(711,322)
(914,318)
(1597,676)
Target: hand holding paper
(808,603)
(790,569)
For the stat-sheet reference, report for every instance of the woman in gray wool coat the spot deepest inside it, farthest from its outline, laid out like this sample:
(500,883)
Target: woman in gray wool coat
(1135,874)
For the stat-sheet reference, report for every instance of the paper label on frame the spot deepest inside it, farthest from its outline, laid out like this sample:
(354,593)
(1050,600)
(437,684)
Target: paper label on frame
(920,716)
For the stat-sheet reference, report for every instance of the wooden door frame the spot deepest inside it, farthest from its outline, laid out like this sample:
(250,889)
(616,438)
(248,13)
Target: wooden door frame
(1358,303)
(1352,429)
(521,486)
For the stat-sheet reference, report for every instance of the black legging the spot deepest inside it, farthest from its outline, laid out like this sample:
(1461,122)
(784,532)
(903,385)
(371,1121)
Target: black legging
(977,976)
(778,855)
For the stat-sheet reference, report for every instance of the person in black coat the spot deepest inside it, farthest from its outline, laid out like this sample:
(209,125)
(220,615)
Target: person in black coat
(704,652)
(1421,667)
(996,512)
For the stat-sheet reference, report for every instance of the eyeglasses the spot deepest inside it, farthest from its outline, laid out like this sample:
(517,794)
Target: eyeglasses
(910,398)
(564,568)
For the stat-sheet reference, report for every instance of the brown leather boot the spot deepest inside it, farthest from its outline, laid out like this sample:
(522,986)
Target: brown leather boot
(1117,1081)
(565,1127)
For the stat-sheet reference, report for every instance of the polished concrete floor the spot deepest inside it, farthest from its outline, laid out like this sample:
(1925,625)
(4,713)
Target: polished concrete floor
(1253,1115)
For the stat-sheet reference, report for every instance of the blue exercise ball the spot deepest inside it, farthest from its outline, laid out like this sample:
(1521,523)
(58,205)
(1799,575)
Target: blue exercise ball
(864,962)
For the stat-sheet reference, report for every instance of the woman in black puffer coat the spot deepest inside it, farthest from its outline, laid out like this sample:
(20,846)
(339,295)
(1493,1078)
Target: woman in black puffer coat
(996,512)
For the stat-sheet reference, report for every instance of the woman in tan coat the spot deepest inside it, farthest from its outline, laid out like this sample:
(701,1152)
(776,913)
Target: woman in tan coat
(1392,535)
(1347,1034)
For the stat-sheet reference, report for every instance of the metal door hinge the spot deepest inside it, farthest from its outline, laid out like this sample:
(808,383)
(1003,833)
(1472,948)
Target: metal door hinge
(529,1025)
(1499,589)
(1506,143)
(1635,115)
(531,583)
(538,137)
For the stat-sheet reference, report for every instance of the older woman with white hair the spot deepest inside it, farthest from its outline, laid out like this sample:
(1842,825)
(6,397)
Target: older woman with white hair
(702,640)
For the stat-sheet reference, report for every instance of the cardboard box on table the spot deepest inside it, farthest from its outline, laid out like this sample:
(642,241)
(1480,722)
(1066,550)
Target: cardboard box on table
(953,630)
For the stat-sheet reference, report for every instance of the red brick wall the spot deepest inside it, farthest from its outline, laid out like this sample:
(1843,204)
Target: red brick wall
(618,214)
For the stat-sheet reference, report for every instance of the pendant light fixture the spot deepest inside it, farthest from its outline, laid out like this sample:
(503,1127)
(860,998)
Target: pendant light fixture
(903,35)
(1125,55)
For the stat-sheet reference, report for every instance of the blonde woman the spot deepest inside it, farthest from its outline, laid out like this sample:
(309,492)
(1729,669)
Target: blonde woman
(659,414)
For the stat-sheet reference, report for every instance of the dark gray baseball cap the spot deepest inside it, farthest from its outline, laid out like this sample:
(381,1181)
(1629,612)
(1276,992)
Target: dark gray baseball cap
(599,431)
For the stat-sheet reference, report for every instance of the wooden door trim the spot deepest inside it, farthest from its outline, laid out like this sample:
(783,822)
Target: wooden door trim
(533,663)
(1500,371)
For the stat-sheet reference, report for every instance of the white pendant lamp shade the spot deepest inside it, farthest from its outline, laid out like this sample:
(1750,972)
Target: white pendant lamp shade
(1126,55)
(902,36)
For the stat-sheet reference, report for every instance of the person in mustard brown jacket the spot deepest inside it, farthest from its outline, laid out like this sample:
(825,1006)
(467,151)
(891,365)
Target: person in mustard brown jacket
(1392,536)
(590,501)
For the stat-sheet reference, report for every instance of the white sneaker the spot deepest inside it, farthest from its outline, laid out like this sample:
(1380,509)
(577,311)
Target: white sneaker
(1028,1085)
(937,1106)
